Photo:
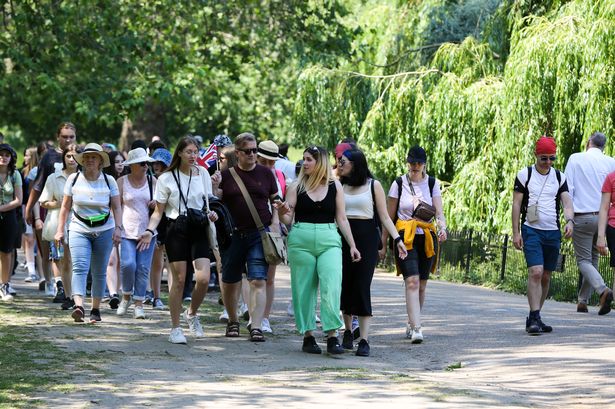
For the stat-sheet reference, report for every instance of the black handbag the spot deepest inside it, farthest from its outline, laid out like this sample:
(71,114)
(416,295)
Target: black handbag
(422,210)
(195,218)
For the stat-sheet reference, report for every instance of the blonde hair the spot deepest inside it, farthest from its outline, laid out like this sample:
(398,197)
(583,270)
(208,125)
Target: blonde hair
(32,163)
(322,174)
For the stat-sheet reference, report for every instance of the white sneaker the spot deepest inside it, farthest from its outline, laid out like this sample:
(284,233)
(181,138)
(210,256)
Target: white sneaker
(195,324)
(417,336)
(50,289)
(290,310)
(177,336)
(224,316)
(408,331)
(11,289)
(5,295)
(123,307)
(31,278)
(266,327)
(139,313)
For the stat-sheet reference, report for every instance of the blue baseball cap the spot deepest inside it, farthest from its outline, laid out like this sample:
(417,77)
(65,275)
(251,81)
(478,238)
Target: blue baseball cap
(162,155)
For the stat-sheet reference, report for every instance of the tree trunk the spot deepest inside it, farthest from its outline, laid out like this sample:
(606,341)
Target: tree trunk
(149,123)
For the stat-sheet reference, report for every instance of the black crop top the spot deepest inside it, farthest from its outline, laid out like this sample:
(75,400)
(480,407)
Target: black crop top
(309,211)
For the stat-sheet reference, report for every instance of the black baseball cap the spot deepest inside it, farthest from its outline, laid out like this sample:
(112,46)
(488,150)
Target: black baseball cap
(417,154)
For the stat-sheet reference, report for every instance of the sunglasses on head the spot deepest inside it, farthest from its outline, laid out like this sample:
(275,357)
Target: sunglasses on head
(546,158)
(313,150)
(248,151)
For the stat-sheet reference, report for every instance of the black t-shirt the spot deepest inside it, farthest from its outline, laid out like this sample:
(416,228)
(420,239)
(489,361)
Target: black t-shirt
(323,211)
(46,168)
(261,186)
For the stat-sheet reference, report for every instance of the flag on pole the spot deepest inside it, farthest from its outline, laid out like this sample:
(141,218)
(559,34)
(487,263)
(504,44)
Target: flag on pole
(207,157)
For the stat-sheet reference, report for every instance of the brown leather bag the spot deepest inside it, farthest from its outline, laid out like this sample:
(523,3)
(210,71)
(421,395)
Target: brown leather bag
(422,210)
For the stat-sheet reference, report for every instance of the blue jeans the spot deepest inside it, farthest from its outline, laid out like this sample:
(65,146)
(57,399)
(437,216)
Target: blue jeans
(135,266)
(90,252)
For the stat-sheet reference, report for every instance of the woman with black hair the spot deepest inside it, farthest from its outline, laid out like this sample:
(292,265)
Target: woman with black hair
(366,210)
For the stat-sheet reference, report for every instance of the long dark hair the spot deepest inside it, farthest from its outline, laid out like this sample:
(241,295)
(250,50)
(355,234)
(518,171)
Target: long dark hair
(110,170)
(360,169)
(13,162)
(181,145)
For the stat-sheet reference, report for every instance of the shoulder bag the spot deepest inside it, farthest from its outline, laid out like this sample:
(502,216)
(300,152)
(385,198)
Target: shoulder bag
(273,243)
(422,210)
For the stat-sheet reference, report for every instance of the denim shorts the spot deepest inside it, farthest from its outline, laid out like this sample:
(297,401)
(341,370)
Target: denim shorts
(245,253)
(541,247)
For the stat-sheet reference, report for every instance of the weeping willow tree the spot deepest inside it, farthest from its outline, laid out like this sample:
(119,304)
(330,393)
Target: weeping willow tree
(476,111)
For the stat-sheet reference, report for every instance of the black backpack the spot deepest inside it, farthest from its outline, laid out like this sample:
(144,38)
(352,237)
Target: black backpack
(225,227)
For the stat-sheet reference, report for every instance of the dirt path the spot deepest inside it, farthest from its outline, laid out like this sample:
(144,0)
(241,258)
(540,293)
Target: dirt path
(476,354)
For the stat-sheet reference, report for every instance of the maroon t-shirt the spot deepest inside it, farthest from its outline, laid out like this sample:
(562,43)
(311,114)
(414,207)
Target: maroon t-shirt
(261,186)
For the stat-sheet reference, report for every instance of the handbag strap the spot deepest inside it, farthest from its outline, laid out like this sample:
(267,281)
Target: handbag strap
(248,199)
(181,195)
(376,216)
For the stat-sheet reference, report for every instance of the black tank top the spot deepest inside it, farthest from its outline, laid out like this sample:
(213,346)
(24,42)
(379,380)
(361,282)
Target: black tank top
(309,211)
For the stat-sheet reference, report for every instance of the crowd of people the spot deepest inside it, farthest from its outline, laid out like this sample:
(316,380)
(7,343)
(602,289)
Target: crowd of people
(98,223)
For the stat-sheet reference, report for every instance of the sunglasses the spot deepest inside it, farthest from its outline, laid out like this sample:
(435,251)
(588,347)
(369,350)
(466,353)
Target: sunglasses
(144,164)
(342,162)
(248,151)
(546,158)
(313,150)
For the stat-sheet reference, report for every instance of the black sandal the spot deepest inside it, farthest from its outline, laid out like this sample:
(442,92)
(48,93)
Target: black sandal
(232,329)
(256,335)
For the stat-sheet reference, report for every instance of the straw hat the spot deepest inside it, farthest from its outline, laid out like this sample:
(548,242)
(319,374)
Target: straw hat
(93,148)
(137,155)
(268,150)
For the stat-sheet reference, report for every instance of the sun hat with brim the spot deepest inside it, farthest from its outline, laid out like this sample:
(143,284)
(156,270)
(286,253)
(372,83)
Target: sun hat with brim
(137,155)
(93,148)
(162,155)
(268,150)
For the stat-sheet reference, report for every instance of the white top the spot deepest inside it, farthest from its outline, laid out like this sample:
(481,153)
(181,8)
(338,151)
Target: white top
(288,168)
(53,190)
(168,192)
(547,206)
(406,203)
(91,198)
(135,210)
(586,172)
(360,205)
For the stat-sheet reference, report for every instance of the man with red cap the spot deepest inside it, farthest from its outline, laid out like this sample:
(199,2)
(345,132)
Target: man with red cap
(536,201)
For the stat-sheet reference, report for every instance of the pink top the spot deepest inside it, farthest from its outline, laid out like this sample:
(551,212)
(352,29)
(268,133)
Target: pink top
(135,213)
(609,187)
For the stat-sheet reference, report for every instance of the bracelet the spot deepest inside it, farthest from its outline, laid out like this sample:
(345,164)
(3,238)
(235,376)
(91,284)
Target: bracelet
(37,218)
(150,230)
(397,239)
(570,221)
(120,227)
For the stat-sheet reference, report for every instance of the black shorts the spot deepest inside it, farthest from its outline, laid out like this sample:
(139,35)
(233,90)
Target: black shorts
(185,244)
(417,263)
(610,241)
(10,231)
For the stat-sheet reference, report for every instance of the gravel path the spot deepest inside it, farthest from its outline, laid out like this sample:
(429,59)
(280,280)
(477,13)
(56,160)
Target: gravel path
(476,354)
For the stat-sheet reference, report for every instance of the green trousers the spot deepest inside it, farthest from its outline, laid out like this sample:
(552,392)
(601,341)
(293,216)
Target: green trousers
(315,258)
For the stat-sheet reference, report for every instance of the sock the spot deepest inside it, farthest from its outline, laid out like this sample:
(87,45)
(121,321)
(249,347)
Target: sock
(30,267)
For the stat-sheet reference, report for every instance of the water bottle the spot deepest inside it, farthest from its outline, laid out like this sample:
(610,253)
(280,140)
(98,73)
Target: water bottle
(60,250)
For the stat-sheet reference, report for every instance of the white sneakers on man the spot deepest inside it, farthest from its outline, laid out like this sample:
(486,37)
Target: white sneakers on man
(195,324)
(177,336)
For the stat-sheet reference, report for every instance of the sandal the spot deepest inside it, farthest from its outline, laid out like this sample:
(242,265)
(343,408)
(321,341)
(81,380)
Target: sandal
(232,329)
(256,335)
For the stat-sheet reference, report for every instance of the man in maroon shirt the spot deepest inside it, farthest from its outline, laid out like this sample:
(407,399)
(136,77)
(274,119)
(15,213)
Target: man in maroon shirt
(245,252)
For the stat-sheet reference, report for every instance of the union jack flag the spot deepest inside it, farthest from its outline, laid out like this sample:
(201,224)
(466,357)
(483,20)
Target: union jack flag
(207,157)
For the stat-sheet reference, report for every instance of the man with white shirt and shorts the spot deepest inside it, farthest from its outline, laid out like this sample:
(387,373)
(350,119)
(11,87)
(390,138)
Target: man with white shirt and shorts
(536,200)
(585,173)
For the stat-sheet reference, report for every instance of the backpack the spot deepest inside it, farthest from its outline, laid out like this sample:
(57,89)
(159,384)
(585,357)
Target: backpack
(225,227)
(526,194)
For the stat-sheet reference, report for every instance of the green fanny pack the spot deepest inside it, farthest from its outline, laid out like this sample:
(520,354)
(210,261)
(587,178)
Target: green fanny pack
(93,221)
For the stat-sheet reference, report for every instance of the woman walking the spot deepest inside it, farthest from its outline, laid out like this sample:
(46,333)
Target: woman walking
(11,195)
(95,226)
(315,247)
(418,234)
(365,208)
(29,170)
(183,188)
(137,197)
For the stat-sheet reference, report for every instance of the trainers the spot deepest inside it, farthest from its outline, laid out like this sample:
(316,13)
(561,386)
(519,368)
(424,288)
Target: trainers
(606,298)
(417,335)
(362,348)
(532,326)
(582,307)
(333,346)
(41,285)
(266,326)
(195,324)
(187,299)
(347,340)
(114,302)
(139,313)
(60,296)
(224,316)
(68,304)
(310,346)
(290,310)
(95,316)
(317,318)
(149,297)
(244,312)
(50,289)
(356,332)
(177,336)
(122,307)
(31,278)
(11,289)
(408,331)
(544,327)
(5,294)
(157,304)
(78,314)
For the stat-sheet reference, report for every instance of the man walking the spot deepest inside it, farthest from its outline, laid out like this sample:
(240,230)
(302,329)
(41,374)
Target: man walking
(245,252)
(585,173)
(536,199)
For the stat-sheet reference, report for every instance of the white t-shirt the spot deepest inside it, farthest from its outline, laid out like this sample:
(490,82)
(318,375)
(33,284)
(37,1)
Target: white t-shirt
(406,203)
(197,187)
(54,190)
(547,205)
(91,198)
